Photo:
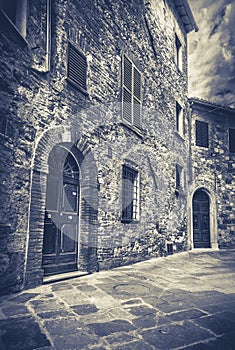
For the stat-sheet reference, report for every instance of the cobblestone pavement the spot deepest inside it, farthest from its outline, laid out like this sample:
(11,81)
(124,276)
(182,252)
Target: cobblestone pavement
(184,301)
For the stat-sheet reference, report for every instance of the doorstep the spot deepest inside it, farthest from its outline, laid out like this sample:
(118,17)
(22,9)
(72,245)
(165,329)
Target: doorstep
(63,276)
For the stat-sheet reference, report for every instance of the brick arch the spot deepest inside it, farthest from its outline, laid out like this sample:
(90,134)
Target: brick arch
(81,150)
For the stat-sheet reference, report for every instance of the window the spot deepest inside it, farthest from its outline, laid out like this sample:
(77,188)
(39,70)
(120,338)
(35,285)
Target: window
(178,52)
(130,194)
(232,140)
(16,11)
(77,68)
(131,93)
(178,177)
(202,139)
(179,119)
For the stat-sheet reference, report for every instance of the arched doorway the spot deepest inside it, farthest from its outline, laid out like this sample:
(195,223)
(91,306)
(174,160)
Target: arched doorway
(201,219)
(60,240)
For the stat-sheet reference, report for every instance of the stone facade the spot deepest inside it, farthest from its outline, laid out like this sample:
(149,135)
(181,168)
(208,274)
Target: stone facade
(40,109)
(213,169)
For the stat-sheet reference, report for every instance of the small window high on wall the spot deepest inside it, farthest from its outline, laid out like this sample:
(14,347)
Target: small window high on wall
(77,68)
(179,178)
(202,138)
(16,12)
(179,119)
(232,140)
(130,194)
(131,93)
(178,53)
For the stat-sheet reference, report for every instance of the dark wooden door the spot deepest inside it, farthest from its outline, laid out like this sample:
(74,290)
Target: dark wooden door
(201,220)
(60,244)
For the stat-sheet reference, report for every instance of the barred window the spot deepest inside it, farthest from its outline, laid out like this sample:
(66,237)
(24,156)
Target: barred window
(202,138)
(131,93)
(130,194)
(232,140)
(77,68)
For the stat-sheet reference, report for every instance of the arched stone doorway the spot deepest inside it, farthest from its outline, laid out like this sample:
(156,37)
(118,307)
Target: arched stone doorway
(61,222)
(76,173)
(201,219)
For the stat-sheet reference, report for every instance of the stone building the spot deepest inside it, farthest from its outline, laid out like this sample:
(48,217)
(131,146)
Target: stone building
(94,135)
(212,184)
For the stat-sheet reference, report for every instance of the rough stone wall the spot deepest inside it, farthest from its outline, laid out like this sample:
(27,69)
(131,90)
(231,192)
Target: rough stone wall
(214,167)
(36,102)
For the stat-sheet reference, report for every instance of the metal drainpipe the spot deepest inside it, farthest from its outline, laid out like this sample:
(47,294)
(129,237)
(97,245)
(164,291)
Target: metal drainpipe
(190,144)
(48,37)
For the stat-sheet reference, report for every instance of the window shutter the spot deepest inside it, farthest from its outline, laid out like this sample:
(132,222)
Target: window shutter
(202,134)
(77,67)
(131,93)
(127,102)
(137,99)
(137,84)
(232,140)
(127,74)
(137,113)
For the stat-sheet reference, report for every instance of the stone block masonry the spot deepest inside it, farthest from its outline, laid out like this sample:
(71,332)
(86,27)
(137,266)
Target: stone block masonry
(213,168)
(43,109)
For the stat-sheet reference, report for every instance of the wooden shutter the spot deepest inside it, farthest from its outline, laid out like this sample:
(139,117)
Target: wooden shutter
(232,140)
(131,93)
(137,99)
(202,134)
(127,105)
(77,67)
(127,74)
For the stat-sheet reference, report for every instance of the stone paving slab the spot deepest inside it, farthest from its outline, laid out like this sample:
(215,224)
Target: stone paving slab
(184,301)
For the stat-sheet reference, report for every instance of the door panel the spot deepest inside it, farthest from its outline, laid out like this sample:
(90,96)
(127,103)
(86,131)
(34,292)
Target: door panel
(201,220)
(70,198)
(68,238)
(60,244)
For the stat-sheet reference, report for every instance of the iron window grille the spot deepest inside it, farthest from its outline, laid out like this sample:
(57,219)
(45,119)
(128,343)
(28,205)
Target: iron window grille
(232,140)
(131,93)
(130,194)
(202,138)
(77,68)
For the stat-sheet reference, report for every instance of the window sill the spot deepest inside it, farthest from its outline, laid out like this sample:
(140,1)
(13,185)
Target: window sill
(202,148)
(179,70)
(125,221)
(179,136)
(135,130)
(9,26)
(77,87)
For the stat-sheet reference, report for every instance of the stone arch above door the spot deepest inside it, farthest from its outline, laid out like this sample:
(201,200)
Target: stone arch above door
(88,220)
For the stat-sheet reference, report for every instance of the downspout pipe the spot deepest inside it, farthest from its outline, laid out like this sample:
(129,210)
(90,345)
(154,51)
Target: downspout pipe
(48,37)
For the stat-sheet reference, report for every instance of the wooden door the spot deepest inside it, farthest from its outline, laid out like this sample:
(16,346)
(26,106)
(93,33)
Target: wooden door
(60,243)
(201,220)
